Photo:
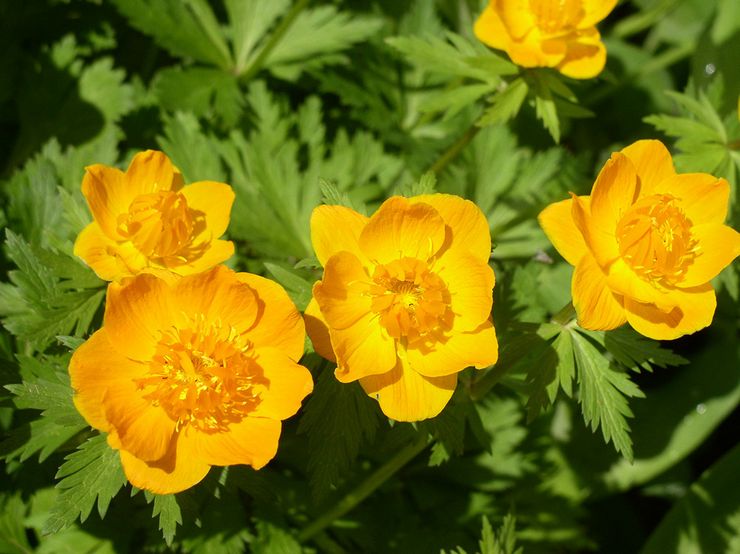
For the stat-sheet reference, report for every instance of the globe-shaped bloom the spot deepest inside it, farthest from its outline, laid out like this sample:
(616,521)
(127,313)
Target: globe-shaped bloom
(146,221)
(187,375)
(645,244)
(547,33)
(405,301)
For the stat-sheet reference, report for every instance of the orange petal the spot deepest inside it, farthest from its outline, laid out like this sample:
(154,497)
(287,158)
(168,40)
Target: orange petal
(362,349)
(252,441)
(653,163)
(718,246)
(478,348)
(405,395)
(278,323)
(109,260)
(615,190)
(179,470)
(287,386)
(401,229)
(490,29)
(217,252)
(334,229)
(215,201)
(585,56)
(703,198)
(557,222)
(622,280)
(151,171)
(598,308)
(318,331)
(599,236)
(95,366)
(595,11)
(105,190)
(694,310)
(470,284)
(465,221)
(136,312)
(341,294)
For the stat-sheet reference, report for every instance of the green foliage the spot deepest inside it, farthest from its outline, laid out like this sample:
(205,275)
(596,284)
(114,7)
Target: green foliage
(501,542)
(166,508)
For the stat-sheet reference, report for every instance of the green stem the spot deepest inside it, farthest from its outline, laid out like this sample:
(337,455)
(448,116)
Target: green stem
(454,149)
(274,39)
(364,489)
(565,315)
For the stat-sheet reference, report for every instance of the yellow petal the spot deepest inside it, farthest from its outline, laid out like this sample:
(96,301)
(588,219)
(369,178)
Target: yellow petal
(252,441)
(585,56)
(490,30)
(622,280)
(470,285)
(105,190)
(279,324)
(334,229)
(214,200)
(151,171)
(287,384)
(703,198)
(615,190)
(405,395)
(341,294)
(557,222)
(536,50)
(401,229)
(653,164)
(718,246)
(95,366)
(179,470)
(595,11)
(217,251)
(517,16)
(109,260)
(694,310)
(478,348)
(318,331)
(362,349)
(599,236)
(465,222)
(598,308)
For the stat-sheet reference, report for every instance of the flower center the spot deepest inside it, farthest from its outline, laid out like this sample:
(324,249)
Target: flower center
(203,376)
(655,239)
(556,15)
(410,299)
(159,224)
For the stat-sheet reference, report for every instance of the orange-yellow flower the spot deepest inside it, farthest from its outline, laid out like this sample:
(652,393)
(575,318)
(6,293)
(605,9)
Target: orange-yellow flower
(187,375)
(645,244)
(547,33)
(405,301)
(145,221)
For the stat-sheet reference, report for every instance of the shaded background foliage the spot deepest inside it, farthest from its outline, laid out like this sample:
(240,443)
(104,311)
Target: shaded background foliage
(293,103)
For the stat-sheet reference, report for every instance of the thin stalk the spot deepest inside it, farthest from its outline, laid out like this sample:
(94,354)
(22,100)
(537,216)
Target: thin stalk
(364,489)
(565,315)
(273,41)
(454,149)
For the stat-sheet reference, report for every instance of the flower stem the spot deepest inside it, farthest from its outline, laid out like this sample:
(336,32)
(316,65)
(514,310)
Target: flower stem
(566,314)
(454,149)
(364,489)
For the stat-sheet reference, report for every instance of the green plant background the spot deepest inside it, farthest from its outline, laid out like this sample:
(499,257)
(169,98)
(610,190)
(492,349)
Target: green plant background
(574,442)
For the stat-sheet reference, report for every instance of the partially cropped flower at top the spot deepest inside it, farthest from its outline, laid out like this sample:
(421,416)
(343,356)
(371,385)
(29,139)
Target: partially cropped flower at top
(146,221)
(645,244)
(547,33)
(405,300)
(187,375)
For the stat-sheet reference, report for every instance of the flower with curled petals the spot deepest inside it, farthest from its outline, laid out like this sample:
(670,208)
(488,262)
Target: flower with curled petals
(547,33)
(645,244)
(193,373)
(146,221)
(405,301)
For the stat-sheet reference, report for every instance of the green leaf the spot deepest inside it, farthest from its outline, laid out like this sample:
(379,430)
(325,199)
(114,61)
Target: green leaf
(634,351)
(168,510)
(546,110)
(250,20)
(298,288)
(13,539)
(90,475)
(505,104)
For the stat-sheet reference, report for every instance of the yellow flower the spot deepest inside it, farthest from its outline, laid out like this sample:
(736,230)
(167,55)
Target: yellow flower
(405,301)
(186,375)
(645,244)
(145,221)
(547,33)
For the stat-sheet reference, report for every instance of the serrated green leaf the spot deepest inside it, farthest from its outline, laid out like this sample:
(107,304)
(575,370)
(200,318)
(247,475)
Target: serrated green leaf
(13,539)
(168,510)
(506,104)
(634,351)
(250,20)
(547,112)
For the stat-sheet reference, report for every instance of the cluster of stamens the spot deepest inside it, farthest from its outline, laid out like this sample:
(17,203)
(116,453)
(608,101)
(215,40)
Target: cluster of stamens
(203,376)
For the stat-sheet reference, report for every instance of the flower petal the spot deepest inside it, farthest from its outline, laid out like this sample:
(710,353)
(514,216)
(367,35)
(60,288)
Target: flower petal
(490,29)
(600,238)
(215,201)
(615,190)
(465,221)
(585,56)
(362,349)
(179,470)
(598,308)
(694,310)
(653,164)
(341,294)
(318,331)
(109,260)
(217,252)
(151,171)
(405,395)
(622,280)
(478,348)
(252,441)
(287,384)
(718,246)
(517,16)
(335,228)
(401,229)
(470,285)
(703,198)
(105,190)
(95,366)
(557,222)
(595,11)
